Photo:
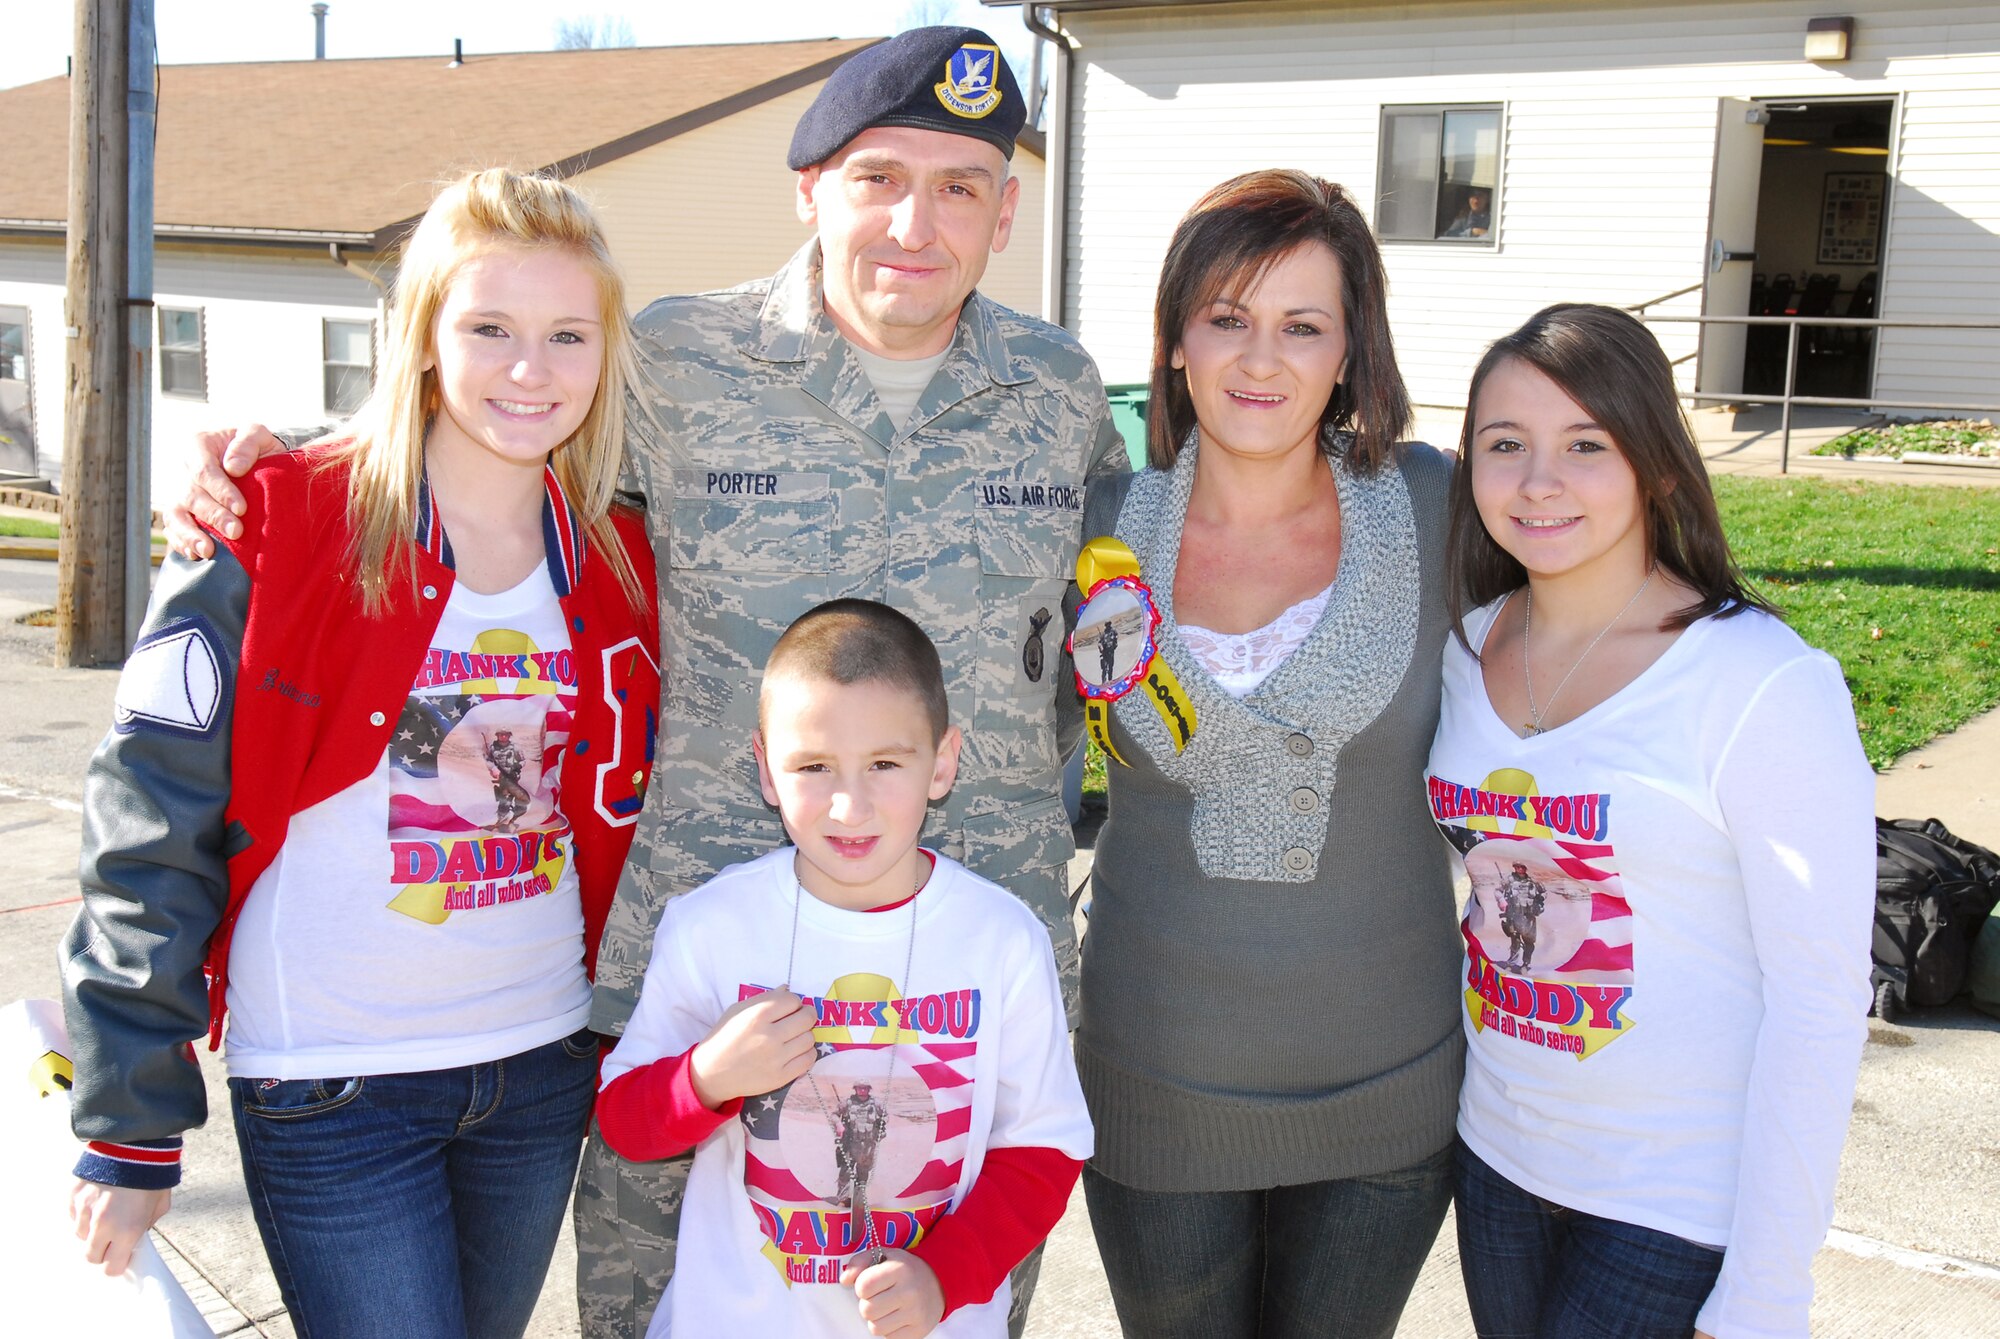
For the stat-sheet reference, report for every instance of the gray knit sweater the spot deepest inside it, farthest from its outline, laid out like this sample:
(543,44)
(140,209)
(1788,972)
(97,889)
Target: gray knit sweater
(1269,976)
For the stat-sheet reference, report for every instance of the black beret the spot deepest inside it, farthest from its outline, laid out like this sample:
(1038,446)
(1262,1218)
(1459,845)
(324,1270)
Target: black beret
(950,79)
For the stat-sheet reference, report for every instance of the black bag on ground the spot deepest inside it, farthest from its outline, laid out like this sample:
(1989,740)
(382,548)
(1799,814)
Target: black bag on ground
(1932,893)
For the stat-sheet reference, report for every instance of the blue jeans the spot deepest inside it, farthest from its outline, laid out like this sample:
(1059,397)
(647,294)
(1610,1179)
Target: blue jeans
(1536,1270)
(423,1206)
(1333,1258)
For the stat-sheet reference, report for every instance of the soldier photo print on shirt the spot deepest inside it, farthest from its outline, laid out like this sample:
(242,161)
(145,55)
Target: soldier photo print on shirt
(868,1147)
(475,767)
(1547,929)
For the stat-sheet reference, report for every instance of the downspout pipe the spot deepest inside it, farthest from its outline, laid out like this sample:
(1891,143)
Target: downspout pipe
(333,250)
(1055,215)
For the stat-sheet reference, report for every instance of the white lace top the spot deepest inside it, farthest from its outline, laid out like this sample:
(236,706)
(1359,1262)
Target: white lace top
(1239,661)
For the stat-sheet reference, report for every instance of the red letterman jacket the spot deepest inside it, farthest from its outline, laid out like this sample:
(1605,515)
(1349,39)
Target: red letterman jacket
(259,688)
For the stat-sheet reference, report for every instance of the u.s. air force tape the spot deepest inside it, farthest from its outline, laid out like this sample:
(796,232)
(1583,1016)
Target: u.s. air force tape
(1115,649)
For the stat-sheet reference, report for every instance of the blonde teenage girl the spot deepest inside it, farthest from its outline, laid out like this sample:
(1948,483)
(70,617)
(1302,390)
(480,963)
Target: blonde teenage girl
(368,790)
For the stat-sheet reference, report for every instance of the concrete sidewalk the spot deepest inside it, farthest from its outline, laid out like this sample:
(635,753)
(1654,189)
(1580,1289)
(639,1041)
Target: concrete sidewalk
(1916,1251)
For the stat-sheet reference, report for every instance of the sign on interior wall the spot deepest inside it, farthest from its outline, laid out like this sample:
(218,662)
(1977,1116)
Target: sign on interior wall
(1850,218)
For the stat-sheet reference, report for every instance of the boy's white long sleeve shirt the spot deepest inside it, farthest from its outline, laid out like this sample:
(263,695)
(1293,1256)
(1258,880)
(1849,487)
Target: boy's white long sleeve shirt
(968,1054)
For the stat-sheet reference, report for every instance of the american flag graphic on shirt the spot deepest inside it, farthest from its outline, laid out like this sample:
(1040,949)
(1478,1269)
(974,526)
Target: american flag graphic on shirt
(475,777)
(1547,929)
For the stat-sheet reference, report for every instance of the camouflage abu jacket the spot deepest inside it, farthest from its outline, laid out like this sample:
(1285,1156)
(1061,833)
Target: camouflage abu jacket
(774,481)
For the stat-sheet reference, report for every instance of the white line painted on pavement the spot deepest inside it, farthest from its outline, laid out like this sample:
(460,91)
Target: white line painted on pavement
(8,792)
(1853,1243)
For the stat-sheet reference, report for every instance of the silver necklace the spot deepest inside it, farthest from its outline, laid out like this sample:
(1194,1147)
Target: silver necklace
(1535,727)
(857,1181)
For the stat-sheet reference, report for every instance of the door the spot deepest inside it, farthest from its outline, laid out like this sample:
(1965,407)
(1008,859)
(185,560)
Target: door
(1732,239)
(17,405)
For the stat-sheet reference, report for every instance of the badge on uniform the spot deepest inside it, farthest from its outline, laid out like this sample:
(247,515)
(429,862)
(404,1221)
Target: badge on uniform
(970,88)
(1031,649)
(1114,649)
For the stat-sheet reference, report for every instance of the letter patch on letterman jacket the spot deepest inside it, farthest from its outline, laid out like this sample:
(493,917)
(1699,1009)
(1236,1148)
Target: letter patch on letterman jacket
(632,690)
(172,681)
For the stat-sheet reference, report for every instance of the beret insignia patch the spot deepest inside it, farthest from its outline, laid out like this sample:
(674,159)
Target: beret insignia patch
(970,88)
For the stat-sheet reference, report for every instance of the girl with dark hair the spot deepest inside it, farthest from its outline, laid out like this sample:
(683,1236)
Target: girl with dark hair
(1655,1102)
(1268,1035)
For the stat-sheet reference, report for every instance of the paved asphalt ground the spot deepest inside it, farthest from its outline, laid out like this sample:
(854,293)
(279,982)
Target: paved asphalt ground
(1916,1248)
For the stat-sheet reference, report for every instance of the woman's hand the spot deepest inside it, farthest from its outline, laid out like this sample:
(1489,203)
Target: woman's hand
(110,1220)
(900,1298)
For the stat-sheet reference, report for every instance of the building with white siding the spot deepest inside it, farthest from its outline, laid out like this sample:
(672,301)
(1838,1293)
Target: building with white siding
(283,188)
(1625,152)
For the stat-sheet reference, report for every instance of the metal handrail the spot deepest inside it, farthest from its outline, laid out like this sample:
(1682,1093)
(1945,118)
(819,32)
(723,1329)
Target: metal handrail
(1790,398)
(1639,308)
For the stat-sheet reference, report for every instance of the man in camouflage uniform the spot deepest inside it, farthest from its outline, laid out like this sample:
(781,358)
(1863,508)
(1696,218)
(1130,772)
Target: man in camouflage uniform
(861,1123)
(775,480)
(505,761)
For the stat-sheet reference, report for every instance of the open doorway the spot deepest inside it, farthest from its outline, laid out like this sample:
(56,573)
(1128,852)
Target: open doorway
(1822,210)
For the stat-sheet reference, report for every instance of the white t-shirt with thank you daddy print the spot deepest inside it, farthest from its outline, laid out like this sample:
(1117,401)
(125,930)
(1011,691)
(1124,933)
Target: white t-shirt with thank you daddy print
(427,916)
(941,1035)
(1666,948)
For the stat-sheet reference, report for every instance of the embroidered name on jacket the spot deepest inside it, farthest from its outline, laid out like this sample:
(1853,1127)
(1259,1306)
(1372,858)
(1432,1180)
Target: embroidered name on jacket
(1023,493)
(751,484)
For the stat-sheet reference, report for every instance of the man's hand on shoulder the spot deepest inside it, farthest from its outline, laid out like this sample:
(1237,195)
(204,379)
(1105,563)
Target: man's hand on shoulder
(899,1298)
(213,499)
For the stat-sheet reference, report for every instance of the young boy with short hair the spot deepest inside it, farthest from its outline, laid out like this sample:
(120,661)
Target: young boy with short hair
(863,1041)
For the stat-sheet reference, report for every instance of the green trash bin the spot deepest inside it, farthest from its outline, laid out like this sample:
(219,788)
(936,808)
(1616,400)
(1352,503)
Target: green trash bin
(1128,415)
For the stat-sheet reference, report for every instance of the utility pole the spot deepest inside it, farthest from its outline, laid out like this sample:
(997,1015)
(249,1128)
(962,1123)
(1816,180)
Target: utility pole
(90,589)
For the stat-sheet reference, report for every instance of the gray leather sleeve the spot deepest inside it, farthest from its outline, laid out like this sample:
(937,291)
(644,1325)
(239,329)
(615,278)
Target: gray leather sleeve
(154,869)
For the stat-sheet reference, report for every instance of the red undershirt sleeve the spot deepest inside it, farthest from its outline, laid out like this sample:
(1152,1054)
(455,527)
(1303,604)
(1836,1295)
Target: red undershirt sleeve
(1013,1206)
(652,1112)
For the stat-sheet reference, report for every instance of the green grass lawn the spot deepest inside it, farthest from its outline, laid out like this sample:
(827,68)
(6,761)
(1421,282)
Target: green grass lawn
(1900,583)
(31,527)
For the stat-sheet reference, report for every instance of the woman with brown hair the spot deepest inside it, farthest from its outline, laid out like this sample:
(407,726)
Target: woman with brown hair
(1654,1101)
(1268,1036)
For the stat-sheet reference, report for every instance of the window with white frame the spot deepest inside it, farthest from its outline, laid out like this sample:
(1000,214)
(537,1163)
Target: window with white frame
(183,353)
(350,364)
(1439,177)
